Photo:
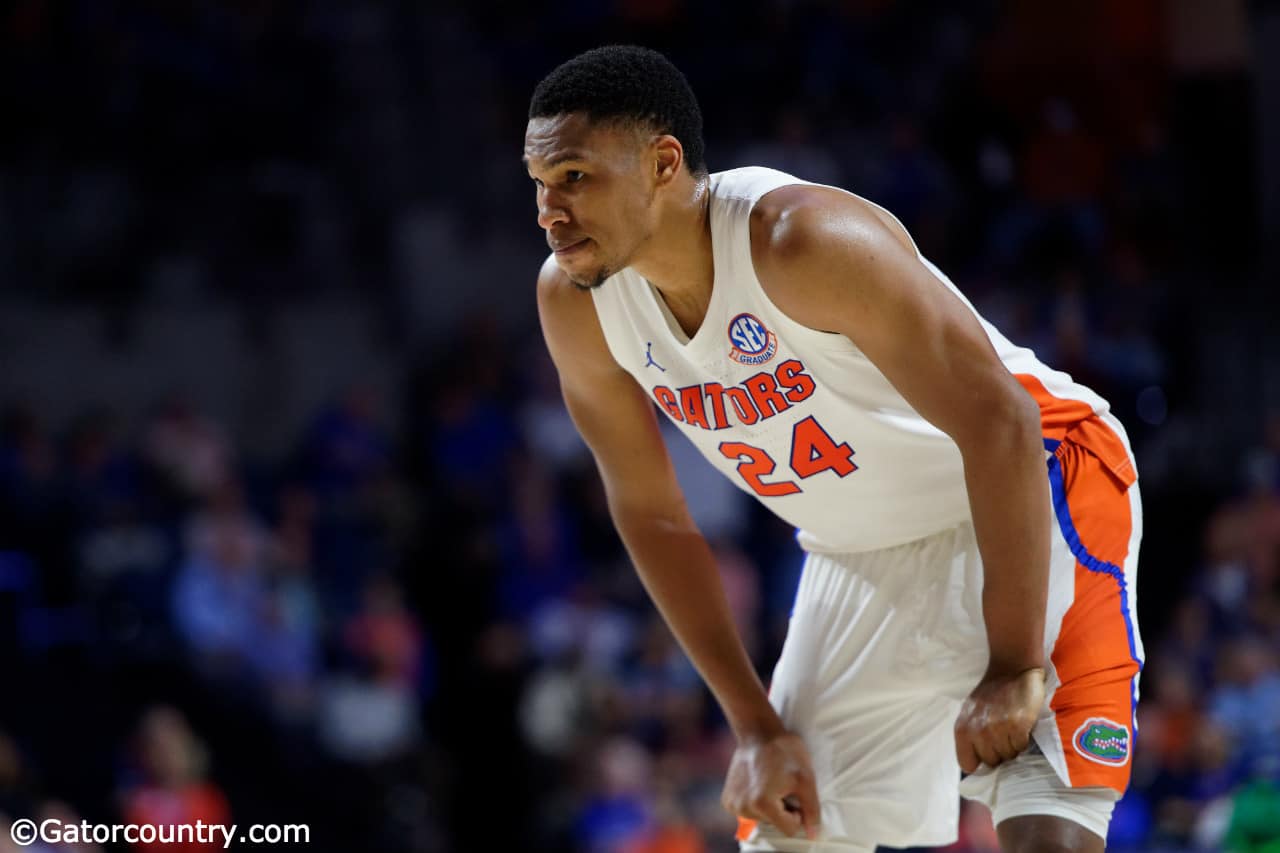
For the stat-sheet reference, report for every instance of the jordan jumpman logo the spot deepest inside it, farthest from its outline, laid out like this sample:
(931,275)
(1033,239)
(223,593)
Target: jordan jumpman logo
(648,354)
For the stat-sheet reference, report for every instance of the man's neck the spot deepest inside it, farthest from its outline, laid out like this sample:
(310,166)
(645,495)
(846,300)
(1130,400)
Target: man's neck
(678,259)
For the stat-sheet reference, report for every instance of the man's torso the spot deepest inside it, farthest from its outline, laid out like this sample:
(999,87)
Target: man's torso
(799,418)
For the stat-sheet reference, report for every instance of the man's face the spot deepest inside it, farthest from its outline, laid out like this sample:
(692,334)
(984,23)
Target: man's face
(595,197)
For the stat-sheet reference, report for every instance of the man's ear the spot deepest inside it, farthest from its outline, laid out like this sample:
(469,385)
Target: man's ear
(668,157)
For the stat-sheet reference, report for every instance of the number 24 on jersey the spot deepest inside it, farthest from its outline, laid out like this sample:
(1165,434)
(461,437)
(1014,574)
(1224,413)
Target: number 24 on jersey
(812,452)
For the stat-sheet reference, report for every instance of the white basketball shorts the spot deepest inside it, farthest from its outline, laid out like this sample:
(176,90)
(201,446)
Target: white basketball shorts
(883,646)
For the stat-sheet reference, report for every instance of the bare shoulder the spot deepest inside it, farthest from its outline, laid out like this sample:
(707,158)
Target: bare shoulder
(563,306)
(815,248)
(801,218)
(555,291)
(570,325)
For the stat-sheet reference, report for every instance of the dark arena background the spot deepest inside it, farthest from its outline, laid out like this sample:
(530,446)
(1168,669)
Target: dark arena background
(294,528)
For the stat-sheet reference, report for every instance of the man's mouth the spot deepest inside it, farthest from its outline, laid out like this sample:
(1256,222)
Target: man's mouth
(568,246)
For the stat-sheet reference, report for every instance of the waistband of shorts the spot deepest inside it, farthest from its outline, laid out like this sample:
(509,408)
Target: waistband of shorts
(1095,436)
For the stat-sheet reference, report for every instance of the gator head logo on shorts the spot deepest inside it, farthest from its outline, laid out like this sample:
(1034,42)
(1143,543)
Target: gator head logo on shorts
(1103,741)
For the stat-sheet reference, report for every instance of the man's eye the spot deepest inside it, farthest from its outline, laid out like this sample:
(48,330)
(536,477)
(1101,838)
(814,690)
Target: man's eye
(537,182)
(573,176)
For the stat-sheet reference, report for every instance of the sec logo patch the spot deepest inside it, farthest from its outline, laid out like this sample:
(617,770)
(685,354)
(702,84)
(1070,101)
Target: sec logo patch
(750,342)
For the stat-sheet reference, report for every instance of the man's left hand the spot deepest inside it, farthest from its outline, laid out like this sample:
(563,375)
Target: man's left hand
(995,722)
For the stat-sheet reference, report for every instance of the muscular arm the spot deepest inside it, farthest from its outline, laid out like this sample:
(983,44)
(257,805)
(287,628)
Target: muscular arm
(770,776)
(832,262)
(673,559)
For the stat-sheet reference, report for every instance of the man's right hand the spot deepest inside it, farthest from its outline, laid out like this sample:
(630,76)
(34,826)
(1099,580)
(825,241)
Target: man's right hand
(771,780)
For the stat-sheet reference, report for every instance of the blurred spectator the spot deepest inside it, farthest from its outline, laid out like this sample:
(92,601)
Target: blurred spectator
(537,544)
(618,814)
(1189,642)
(123,544)
(100,473)
(1171,721)
(655,686)
(385,636)
(125,562)
(1255,819)
(1133,315)
(189,450)
(285,651)
(553,709)
(596,629)
(1182,791)
(369,713)
(546,427)
(1064,164)
(364,720)
(672,831)
(1064,170)
(220,593)
(7,844)
(913,183)
(173,787)
(1248,679)
(472,434)
(717,506)
(1243,549)
(345,446)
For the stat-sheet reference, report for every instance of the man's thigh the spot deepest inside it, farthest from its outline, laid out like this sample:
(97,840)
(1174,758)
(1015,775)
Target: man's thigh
(1033,809)
(1047,834)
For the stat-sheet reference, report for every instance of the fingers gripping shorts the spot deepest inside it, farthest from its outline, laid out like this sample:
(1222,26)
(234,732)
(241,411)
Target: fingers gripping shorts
(883,646)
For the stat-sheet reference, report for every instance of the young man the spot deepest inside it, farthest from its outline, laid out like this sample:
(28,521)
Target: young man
(971,516)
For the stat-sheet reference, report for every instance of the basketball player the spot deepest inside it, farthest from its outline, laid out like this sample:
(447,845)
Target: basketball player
(970,516)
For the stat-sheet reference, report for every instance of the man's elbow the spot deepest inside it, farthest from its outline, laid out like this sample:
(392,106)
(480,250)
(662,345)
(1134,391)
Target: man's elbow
(1006,422)
(632,519)
(637,502)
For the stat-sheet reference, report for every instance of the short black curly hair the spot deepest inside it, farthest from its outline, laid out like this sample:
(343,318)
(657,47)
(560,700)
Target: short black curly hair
(628,83)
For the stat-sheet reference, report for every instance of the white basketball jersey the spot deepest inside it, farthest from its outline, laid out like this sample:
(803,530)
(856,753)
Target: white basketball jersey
(799,418)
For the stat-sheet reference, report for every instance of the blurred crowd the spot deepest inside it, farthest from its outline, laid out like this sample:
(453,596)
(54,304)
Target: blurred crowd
(414,628)
(149,574)
(395,637)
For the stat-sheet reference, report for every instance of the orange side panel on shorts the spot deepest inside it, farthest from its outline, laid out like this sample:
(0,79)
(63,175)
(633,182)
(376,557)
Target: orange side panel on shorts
(1074,420)
(1057,415)
(1093,656)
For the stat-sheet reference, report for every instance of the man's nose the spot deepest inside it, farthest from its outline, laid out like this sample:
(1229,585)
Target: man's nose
(550,213)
